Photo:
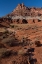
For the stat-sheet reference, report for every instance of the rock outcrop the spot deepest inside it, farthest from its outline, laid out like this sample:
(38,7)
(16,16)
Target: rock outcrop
(21,15)
(22,10)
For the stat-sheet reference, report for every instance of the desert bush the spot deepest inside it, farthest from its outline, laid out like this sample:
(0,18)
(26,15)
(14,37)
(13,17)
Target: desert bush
(31,50)
(14,52)
(5,52)
(14,62)
(5,36)
(5,31)
(12,26)
(24,61)
(26,41)
(10,41)
(32,60)
(2,45)
(37,43)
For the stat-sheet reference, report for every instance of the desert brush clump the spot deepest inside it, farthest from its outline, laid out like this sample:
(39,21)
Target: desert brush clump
(5,52)
(2,45)
(37,43)
(26,41)
(15,53)
(11,41)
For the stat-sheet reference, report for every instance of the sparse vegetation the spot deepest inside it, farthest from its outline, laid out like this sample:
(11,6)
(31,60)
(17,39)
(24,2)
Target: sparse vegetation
(10,41)
(21,36)
(37,43)
(2,45)
(4,52)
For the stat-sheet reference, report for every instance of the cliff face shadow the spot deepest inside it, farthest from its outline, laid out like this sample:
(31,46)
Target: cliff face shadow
(24,21)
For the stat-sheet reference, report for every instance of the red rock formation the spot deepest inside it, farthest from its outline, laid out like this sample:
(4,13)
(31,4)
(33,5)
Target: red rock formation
(23,11)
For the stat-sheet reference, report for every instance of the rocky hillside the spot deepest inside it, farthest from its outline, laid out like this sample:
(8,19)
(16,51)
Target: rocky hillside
(22,10)
(21,15)
(21,36)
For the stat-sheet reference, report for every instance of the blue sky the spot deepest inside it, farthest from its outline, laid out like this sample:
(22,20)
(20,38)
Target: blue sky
(7,6)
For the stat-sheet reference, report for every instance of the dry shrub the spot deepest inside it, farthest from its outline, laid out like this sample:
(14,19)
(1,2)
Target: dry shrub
(10,41)
(37,43)
(5,52)
(2,45)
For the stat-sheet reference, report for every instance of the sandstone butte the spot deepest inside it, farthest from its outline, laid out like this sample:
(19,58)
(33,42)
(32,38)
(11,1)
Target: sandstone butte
(22,14)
